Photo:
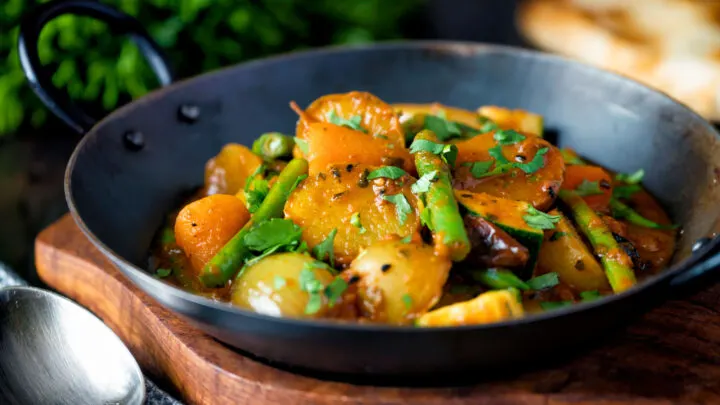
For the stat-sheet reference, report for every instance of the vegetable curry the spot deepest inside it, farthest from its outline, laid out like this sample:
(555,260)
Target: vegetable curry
(411,214)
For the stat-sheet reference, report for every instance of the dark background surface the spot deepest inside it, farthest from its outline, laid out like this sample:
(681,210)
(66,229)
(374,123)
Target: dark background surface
(32,159)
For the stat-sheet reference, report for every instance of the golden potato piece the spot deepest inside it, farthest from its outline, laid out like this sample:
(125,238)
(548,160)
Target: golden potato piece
(328,200)
(227,172)
(399,281)
(204,226)
(489,307)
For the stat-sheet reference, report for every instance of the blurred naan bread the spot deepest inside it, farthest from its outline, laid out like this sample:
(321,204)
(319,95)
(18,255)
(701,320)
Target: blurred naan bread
(673,45)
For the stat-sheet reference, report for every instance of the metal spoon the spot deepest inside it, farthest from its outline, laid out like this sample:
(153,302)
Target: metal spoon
(53,351)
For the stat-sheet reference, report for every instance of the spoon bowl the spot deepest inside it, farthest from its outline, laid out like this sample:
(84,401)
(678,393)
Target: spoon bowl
(52,351)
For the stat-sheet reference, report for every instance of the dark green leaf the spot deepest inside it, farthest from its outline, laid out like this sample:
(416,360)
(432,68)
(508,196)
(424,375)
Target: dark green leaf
(551,305)
(424,182)
(402,206)
(256,189)
(162,273)
(406,239)
(314,304)
(496,153)
(626,192)
(271,233)
(480,169)
(423,145)
(390,172)
(449,155)
(540,220)
(326,248)
(407,300)
(508,137)
(335,290)
(499,279)
(167,236)
(487,125)
(587,188)
(544,282)
(353,123)
(557,235)
(308,282)
(631,178)
(443,129)
(535,164)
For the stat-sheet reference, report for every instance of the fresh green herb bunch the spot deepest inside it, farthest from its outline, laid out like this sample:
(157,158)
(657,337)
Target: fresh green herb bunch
(103,70)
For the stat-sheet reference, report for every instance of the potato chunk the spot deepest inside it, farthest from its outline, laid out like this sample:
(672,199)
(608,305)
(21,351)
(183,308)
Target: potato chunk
(343,198)
(204,226)
(227,172)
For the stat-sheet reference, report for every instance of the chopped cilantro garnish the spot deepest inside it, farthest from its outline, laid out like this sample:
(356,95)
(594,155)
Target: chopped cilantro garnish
(272,232)
(571,158)
(355,221)
(334,290)
(279,282)
(587,188)
(406,239)
(447,152)
(326,249)
(162,272)
(540,220)
(508,137)
(407,300)
(486,124)
(631,178)
(390,172)
(535,164)
(353,123)
(557,235)
(303,145)
(544,282)
(496,153)
(402,206)
(480,169)
(626,191)
(424,182)
(256,189)
(167,236)
(445,129)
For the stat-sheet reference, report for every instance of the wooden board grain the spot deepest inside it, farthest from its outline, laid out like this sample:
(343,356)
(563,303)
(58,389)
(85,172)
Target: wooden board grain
(670,356)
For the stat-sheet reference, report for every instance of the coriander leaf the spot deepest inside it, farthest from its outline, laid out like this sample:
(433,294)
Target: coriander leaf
(449,154)
(272,232)
(631,178)
(298,180)
(587,188)
(303,145)
(535,164)
(254,259)
(381,136)
(353,123)
(544,282)
(314,304)
(550,305)
(508,137)
(540,220)
(424,182)
(279,282)
(443,129)
(355,221)
(486,124)
(308,282)
(496,153)
(390,172)
(588,296)
(480,169)
(302,248)
(334,290)
(499,279)
(406,239)
(626,191)
(162,273)
(326,248)
(407,300)
(256,189)
(557,235)
(423,145)
(402,206)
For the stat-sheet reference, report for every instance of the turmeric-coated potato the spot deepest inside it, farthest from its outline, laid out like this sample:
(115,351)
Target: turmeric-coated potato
(227,172)
(274,286)
(489,307)
(399,281)
(375,117)
(204,226)
(519,120)
(363,211)
(335,145)
(538,188)
(415,112)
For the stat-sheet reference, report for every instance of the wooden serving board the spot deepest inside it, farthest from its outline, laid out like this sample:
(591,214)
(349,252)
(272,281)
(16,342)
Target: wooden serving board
(671,356)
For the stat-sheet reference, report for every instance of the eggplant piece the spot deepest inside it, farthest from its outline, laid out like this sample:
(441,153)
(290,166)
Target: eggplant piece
(491,246)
